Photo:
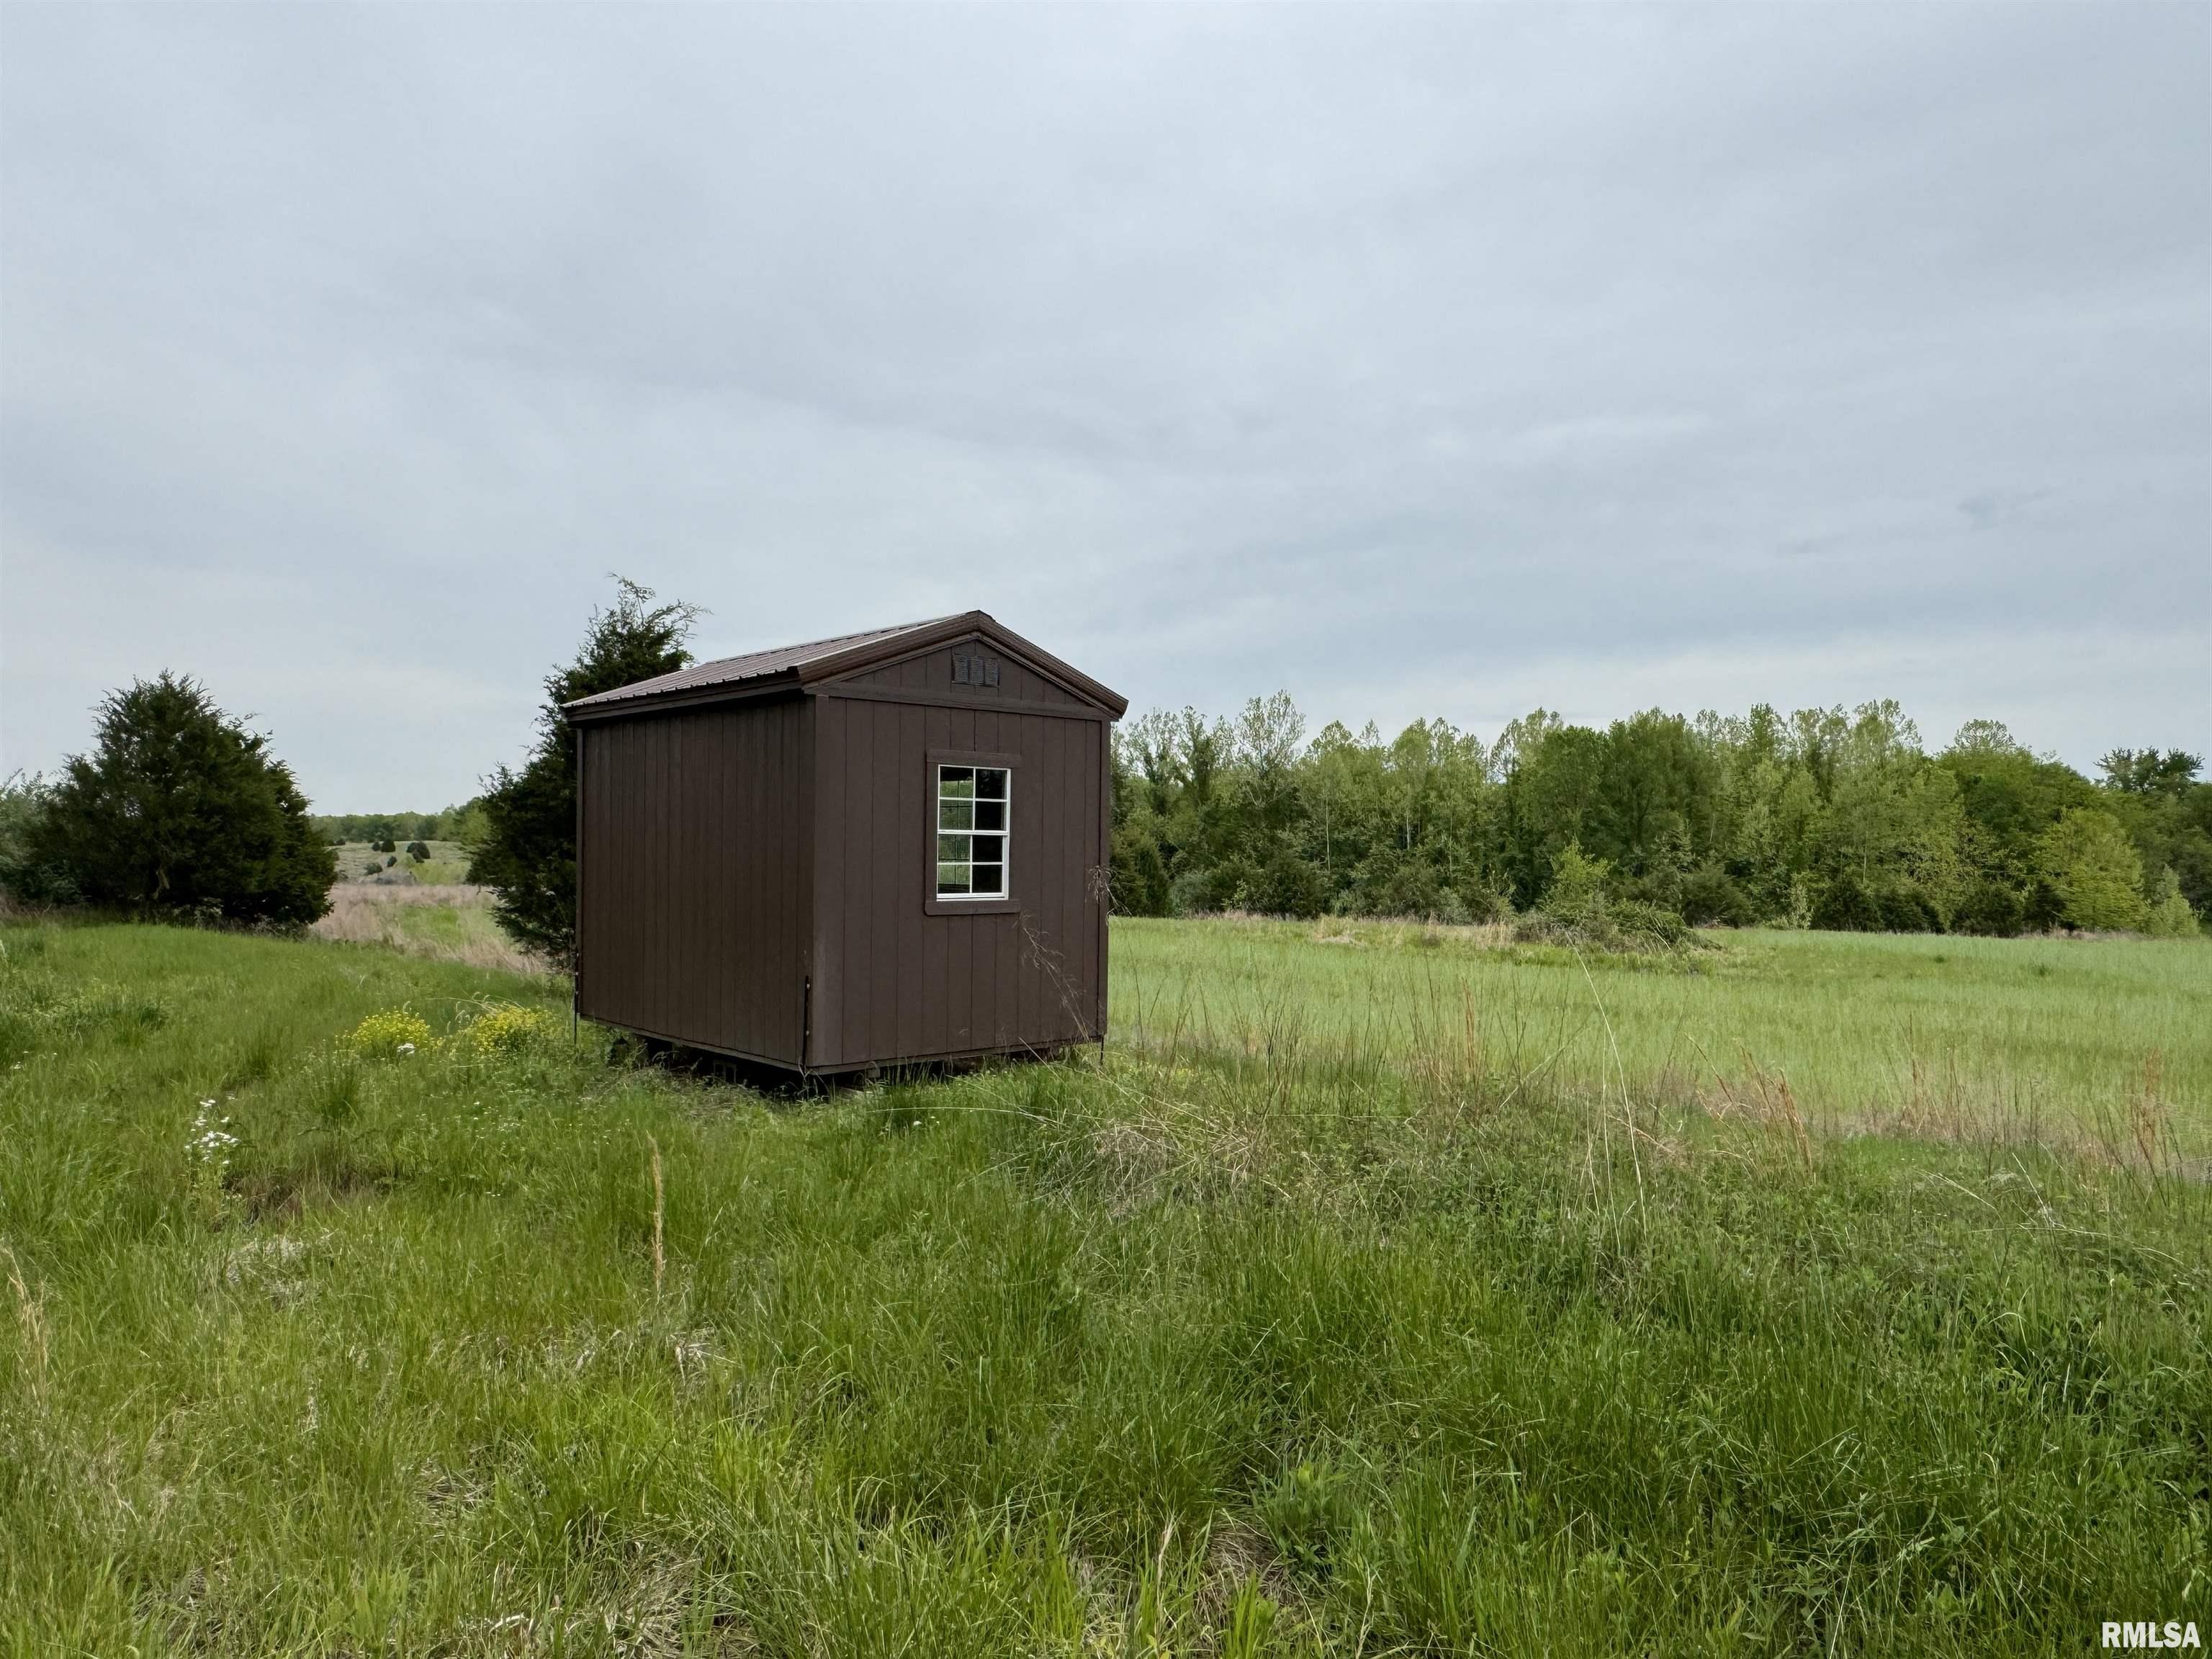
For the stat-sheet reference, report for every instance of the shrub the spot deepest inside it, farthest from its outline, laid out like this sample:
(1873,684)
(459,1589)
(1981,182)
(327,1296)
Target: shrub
(1585,917)
(1396,885)
(418,851)
(1204,889)
(1847,908)
(1712,895)
(1903,908)
(1992,909)
(1139,873)
(1639,923)
(383,844)
(179,808)
(1484,904)
(1578,883)
(1284,885)
(392,1034)
(507,1028)
(2170,916)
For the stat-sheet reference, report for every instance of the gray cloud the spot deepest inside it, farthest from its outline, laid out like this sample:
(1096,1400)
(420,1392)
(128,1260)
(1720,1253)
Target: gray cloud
(1424,361)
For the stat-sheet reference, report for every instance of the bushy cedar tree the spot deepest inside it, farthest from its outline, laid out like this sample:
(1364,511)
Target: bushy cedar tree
(525,852)
(180,808)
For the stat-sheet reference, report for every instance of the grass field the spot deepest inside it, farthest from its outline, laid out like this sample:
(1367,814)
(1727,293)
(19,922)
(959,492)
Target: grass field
(448,862)
(2050,1039)
(1357,1300)
(448,922)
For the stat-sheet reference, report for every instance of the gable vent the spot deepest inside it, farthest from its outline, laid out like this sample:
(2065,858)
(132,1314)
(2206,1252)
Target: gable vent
(968,670)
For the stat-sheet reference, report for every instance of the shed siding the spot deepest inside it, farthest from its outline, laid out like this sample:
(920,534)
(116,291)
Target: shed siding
(931,671)
(893,981)
(692,876)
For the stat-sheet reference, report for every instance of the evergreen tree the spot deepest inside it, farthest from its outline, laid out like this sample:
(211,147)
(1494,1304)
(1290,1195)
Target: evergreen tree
(180,808)
(527,850)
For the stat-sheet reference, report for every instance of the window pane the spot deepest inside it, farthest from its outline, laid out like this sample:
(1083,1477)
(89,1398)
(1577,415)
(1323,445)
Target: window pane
(974,815)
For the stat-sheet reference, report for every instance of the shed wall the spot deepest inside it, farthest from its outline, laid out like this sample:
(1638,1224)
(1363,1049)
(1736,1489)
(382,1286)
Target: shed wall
(692,879)
(892,982)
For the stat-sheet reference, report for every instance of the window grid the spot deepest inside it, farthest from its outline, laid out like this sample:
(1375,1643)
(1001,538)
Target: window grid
(975,805)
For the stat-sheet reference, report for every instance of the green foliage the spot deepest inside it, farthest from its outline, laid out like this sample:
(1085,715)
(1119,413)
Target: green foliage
(1822,818)
(527,850)
(2148,772)
(2168,815)
(1308,1515)
(1991,909)
(1139,872)
(1846,907)
(179,808)
(29,874)
(1710,895)
(2094,869)
(371,827)
(1578,883)
(2170,916)
(418,851)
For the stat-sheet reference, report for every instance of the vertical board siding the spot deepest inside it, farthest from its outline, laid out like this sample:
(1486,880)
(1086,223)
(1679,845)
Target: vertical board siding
(690,826)
(828,954)
(894,982)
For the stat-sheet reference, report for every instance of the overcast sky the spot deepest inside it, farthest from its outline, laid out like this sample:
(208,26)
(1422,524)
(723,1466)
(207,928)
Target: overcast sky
(1440,361)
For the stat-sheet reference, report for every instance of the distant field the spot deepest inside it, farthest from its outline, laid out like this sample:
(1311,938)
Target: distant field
(448,922)
(1915,1033)
(1353,1302)
(448,862)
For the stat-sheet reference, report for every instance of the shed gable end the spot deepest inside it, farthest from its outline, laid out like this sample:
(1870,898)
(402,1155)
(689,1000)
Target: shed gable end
(974,669)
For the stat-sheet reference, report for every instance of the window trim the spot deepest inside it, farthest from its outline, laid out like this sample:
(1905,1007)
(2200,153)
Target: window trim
(931,903)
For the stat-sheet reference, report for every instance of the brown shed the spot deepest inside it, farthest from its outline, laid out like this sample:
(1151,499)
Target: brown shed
(885,848)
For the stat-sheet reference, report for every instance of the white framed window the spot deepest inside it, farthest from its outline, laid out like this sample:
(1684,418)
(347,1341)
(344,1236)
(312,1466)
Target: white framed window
(975,821)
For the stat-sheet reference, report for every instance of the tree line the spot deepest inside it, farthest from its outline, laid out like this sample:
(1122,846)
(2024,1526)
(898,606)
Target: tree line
(463,823)
(1819,819)
(1822,818)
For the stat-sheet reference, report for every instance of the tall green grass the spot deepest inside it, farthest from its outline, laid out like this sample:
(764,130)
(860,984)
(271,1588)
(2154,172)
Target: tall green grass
(1253,1340)
(2050,1037)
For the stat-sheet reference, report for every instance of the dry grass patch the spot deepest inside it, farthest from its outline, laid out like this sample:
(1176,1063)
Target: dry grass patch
(445,924)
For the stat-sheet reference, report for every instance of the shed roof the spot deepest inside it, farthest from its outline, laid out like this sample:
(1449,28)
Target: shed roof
(841,655)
